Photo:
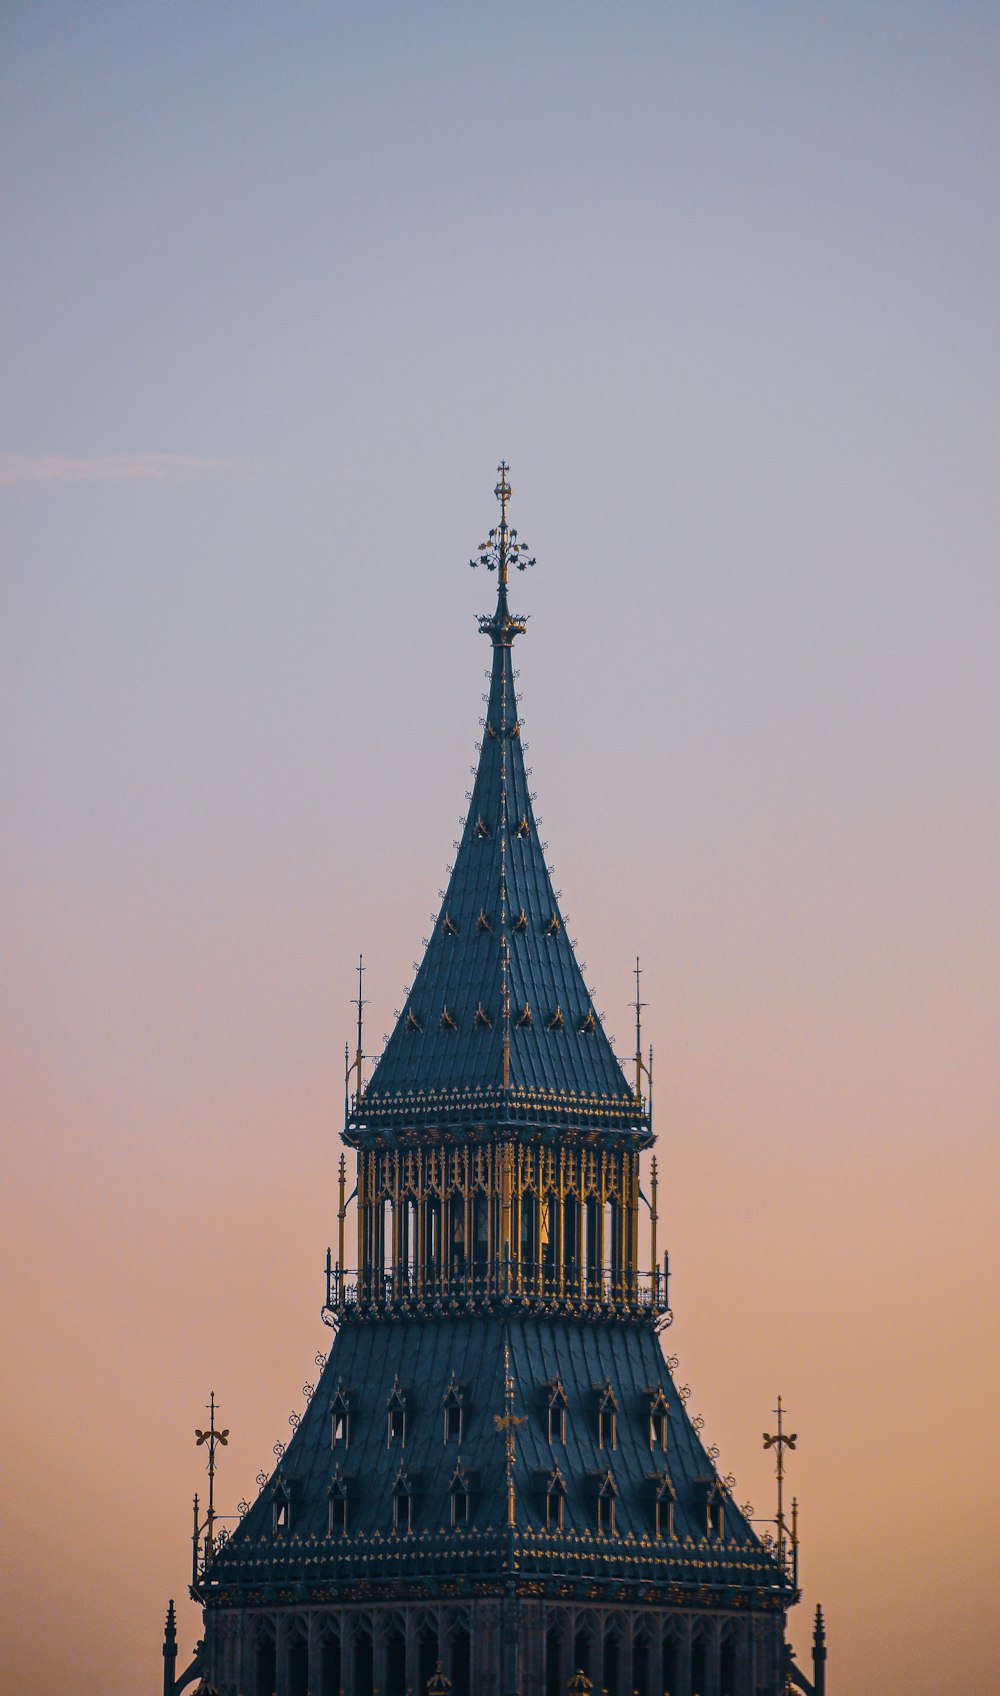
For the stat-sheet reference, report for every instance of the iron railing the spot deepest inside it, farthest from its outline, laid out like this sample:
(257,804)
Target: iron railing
(495,1286)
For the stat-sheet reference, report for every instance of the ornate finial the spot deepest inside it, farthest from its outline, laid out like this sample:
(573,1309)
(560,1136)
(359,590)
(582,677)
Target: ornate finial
(501,550)
(579,1684)
(215,1439)
(438,1684)
(503,490)
(781,1441)
(640,1064)
(360,1002)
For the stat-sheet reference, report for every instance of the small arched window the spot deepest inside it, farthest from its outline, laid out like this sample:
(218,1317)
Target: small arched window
(556,1411)
(606,1493)
(402,1504)
(658,1417)
(340,1419)
(396,1417)
(607,1417)
(555,1495)
(453,1402)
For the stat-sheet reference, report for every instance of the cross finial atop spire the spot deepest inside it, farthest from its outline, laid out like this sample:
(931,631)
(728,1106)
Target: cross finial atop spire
(503,490)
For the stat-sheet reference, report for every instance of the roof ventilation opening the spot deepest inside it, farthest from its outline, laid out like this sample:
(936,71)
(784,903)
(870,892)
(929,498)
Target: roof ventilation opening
(523,828)
(589,1024)
(483,923)
(521,922)
(481,828)
(523,1018)
(449,926)
(553,927)
(412,1022)
(483,1019)
(556,1021)
(447,1022)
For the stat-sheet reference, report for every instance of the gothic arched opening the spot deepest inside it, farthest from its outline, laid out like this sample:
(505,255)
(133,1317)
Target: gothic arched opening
(581,1650)
(461,1662)
(298,1666)
(364,1667)
(266,1668)
(613,1663)
(329,1667)
(670,1672)
(554,1682)
(642,1672)
(427,1656)
(395,1664)
(727,1668)
(699,1668)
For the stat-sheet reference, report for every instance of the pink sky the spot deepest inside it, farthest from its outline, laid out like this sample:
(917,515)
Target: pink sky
(279,293)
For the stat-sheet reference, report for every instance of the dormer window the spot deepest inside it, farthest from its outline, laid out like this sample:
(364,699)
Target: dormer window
(556,1021)
(523,828)
(521,922)
(482,1019)
(664,1498)
(524,1017)
(658,1421)
(396,1417)
(588,1025)
(715,1507)
(412,1022)
(402,1504)
(448,1023)
(460,1492)
(557,1412)
(449,926)
(453,1403)
(606,1493)
(483,923)
(282,1510)
(482,829)
(340,1419)
(552,925)
(555,1493)
(338,1505)
(607,1418)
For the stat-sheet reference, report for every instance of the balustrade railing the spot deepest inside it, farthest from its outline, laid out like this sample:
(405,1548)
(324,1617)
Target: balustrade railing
(491,1285)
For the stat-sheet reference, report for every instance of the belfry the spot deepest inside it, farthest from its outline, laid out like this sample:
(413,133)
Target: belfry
(495,1487)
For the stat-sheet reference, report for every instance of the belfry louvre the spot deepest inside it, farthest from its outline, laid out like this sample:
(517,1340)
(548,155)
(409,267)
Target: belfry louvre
(495,1486)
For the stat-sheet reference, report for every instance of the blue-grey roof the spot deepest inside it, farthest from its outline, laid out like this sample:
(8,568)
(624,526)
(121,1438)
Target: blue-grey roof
(499,964)
(421,1359)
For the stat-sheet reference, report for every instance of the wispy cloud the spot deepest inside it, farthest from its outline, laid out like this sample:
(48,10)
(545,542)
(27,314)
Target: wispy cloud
(104,468)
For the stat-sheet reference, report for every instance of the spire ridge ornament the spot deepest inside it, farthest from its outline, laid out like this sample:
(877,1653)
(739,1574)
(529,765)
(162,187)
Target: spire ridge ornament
(508,1422)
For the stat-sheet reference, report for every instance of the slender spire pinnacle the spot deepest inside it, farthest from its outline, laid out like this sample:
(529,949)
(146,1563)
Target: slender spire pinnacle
(508,1422)
(779,1442)
(214,1439)
(170,1651)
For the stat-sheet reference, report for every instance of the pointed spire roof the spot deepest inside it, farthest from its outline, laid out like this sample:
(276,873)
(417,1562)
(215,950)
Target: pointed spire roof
(498,1022)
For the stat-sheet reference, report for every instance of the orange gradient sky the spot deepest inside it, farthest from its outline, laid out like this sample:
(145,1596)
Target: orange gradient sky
(281,286)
